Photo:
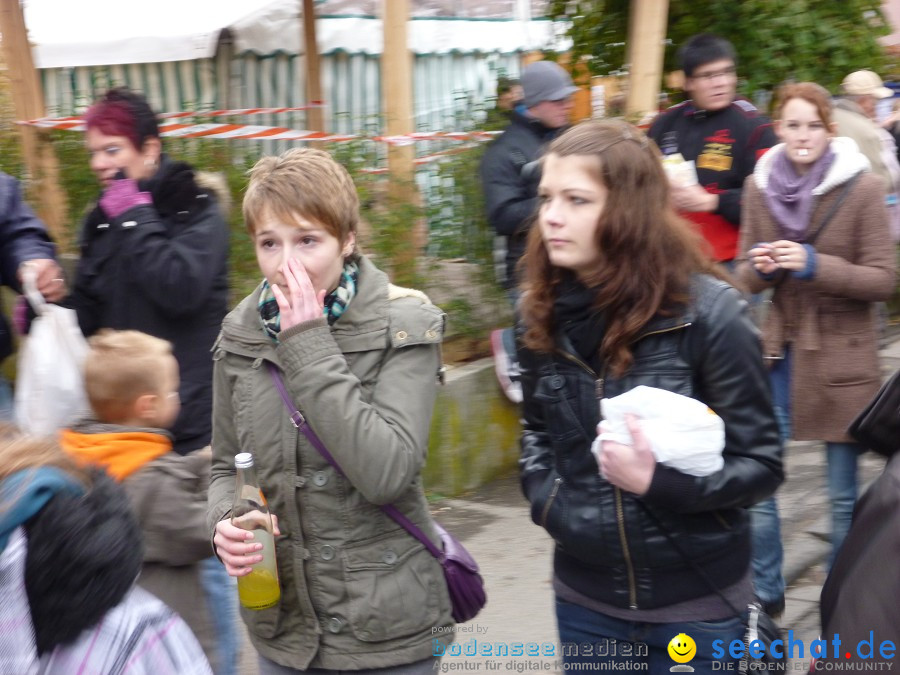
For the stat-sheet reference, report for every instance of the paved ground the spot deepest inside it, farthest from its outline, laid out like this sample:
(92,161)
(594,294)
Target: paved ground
(515,557)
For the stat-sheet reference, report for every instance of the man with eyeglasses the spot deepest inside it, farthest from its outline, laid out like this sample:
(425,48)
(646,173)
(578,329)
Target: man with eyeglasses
(721,134)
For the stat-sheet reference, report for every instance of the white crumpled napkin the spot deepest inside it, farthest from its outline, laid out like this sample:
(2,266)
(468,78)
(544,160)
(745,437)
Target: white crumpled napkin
(683,432)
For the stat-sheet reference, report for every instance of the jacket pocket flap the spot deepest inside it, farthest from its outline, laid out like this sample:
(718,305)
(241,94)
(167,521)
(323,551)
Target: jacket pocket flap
(382,553)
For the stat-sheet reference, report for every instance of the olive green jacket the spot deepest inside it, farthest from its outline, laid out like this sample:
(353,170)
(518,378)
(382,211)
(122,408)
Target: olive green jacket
(357,590)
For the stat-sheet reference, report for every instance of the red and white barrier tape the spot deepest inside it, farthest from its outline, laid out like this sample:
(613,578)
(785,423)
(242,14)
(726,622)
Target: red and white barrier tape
(195,113)
(214,130)
(250,131)
(427,159)
(409,139)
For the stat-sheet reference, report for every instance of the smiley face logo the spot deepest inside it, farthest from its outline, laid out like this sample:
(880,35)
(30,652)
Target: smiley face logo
(682,648)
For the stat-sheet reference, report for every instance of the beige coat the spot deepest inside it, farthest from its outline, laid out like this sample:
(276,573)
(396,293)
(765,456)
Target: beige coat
(357,590)
(829,320)
(853,123)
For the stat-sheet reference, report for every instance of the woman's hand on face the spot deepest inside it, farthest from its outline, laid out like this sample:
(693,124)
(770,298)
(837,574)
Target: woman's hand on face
(761,257)
(789,255)
(301,302)
(629,467)
(237,548)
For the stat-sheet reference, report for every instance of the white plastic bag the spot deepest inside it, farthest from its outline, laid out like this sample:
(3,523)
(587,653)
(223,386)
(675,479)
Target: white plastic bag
(49,381)
(683,432)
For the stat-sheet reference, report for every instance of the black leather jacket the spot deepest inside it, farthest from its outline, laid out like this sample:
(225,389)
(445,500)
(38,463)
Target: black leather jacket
(614,546)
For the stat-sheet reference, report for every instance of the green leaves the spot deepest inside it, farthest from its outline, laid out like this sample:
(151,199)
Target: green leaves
(776,40)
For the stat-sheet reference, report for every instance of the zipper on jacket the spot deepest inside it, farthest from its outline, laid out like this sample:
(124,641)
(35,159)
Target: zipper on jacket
(670,329)
(556,483)
(599,380)
(599,386)
(620,511)
(629,566)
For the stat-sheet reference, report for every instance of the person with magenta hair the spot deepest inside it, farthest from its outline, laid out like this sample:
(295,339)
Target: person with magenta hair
(154,255)
(815,231)
(153,252)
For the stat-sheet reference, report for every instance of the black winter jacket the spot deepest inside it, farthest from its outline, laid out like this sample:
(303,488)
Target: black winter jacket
(610,545)
(861,591)
(162,269)
(510,180)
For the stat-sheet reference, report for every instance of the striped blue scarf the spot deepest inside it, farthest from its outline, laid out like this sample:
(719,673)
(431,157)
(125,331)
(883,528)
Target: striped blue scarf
(336,302)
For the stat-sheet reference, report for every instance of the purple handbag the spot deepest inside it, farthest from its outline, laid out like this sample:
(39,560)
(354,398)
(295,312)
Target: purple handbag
(464,582)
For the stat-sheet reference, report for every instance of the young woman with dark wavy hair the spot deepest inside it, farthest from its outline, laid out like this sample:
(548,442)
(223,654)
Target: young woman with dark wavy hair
(619,293)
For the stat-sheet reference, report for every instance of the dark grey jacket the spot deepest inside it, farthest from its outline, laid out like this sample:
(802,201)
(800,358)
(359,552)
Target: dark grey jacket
(610,544)
(510,177)
(860,594)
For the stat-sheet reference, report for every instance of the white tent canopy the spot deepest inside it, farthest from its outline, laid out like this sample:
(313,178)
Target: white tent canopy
(66,33)
(107,32)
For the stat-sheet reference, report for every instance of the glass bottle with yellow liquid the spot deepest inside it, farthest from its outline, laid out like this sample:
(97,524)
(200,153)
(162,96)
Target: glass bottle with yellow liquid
(259,589)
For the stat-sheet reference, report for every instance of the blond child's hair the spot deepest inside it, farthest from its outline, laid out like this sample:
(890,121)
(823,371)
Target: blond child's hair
(121,366)
(20,451)
(302,182)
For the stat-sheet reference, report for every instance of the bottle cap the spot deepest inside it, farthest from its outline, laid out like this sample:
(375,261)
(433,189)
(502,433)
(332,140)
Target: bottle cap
(243,460)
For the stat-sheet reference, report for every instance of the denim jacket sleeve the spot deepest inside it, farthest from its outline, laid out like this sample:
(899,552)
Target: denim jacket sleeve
(22,234)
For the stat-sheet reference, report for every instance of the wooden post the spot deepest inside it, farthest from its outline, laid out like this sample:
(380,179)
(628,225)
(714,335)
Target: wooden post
(647,25)
(28,103)
(396,79)
(314,117)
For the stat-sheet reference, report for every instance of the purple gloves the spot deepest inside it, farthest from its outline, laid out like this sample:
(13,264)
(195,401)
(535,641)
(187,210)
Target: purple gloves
(121,196)
(20,316)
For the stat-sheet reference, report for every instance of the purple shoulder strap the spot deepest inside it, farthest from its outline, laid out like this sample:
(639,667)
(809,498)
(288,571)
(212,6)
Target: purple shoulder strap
(299,421)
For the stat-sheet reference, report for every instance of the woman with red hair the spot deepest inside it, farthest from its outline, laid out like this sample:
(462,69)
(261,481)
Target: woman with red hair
(153,252)
(154,258)
(815,231)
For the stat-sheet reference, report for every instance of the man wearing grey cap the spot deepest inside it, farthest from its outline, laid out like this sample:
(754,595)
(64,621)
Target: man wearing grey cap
(508,173)
(854,115)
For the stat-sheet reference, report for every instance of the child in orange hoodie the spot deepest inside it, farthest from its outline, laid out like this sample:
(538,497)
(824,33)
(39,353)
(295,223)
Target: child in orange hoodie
(131,380)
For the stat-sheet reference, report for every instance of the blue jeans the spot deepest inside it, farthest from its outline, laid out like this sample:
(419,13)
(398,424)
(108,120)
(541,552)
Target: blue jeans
(588,637)
(221,597)
(765,524)
(842,466)
(426,667)
(768,553)
(7,409)
(842,460)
